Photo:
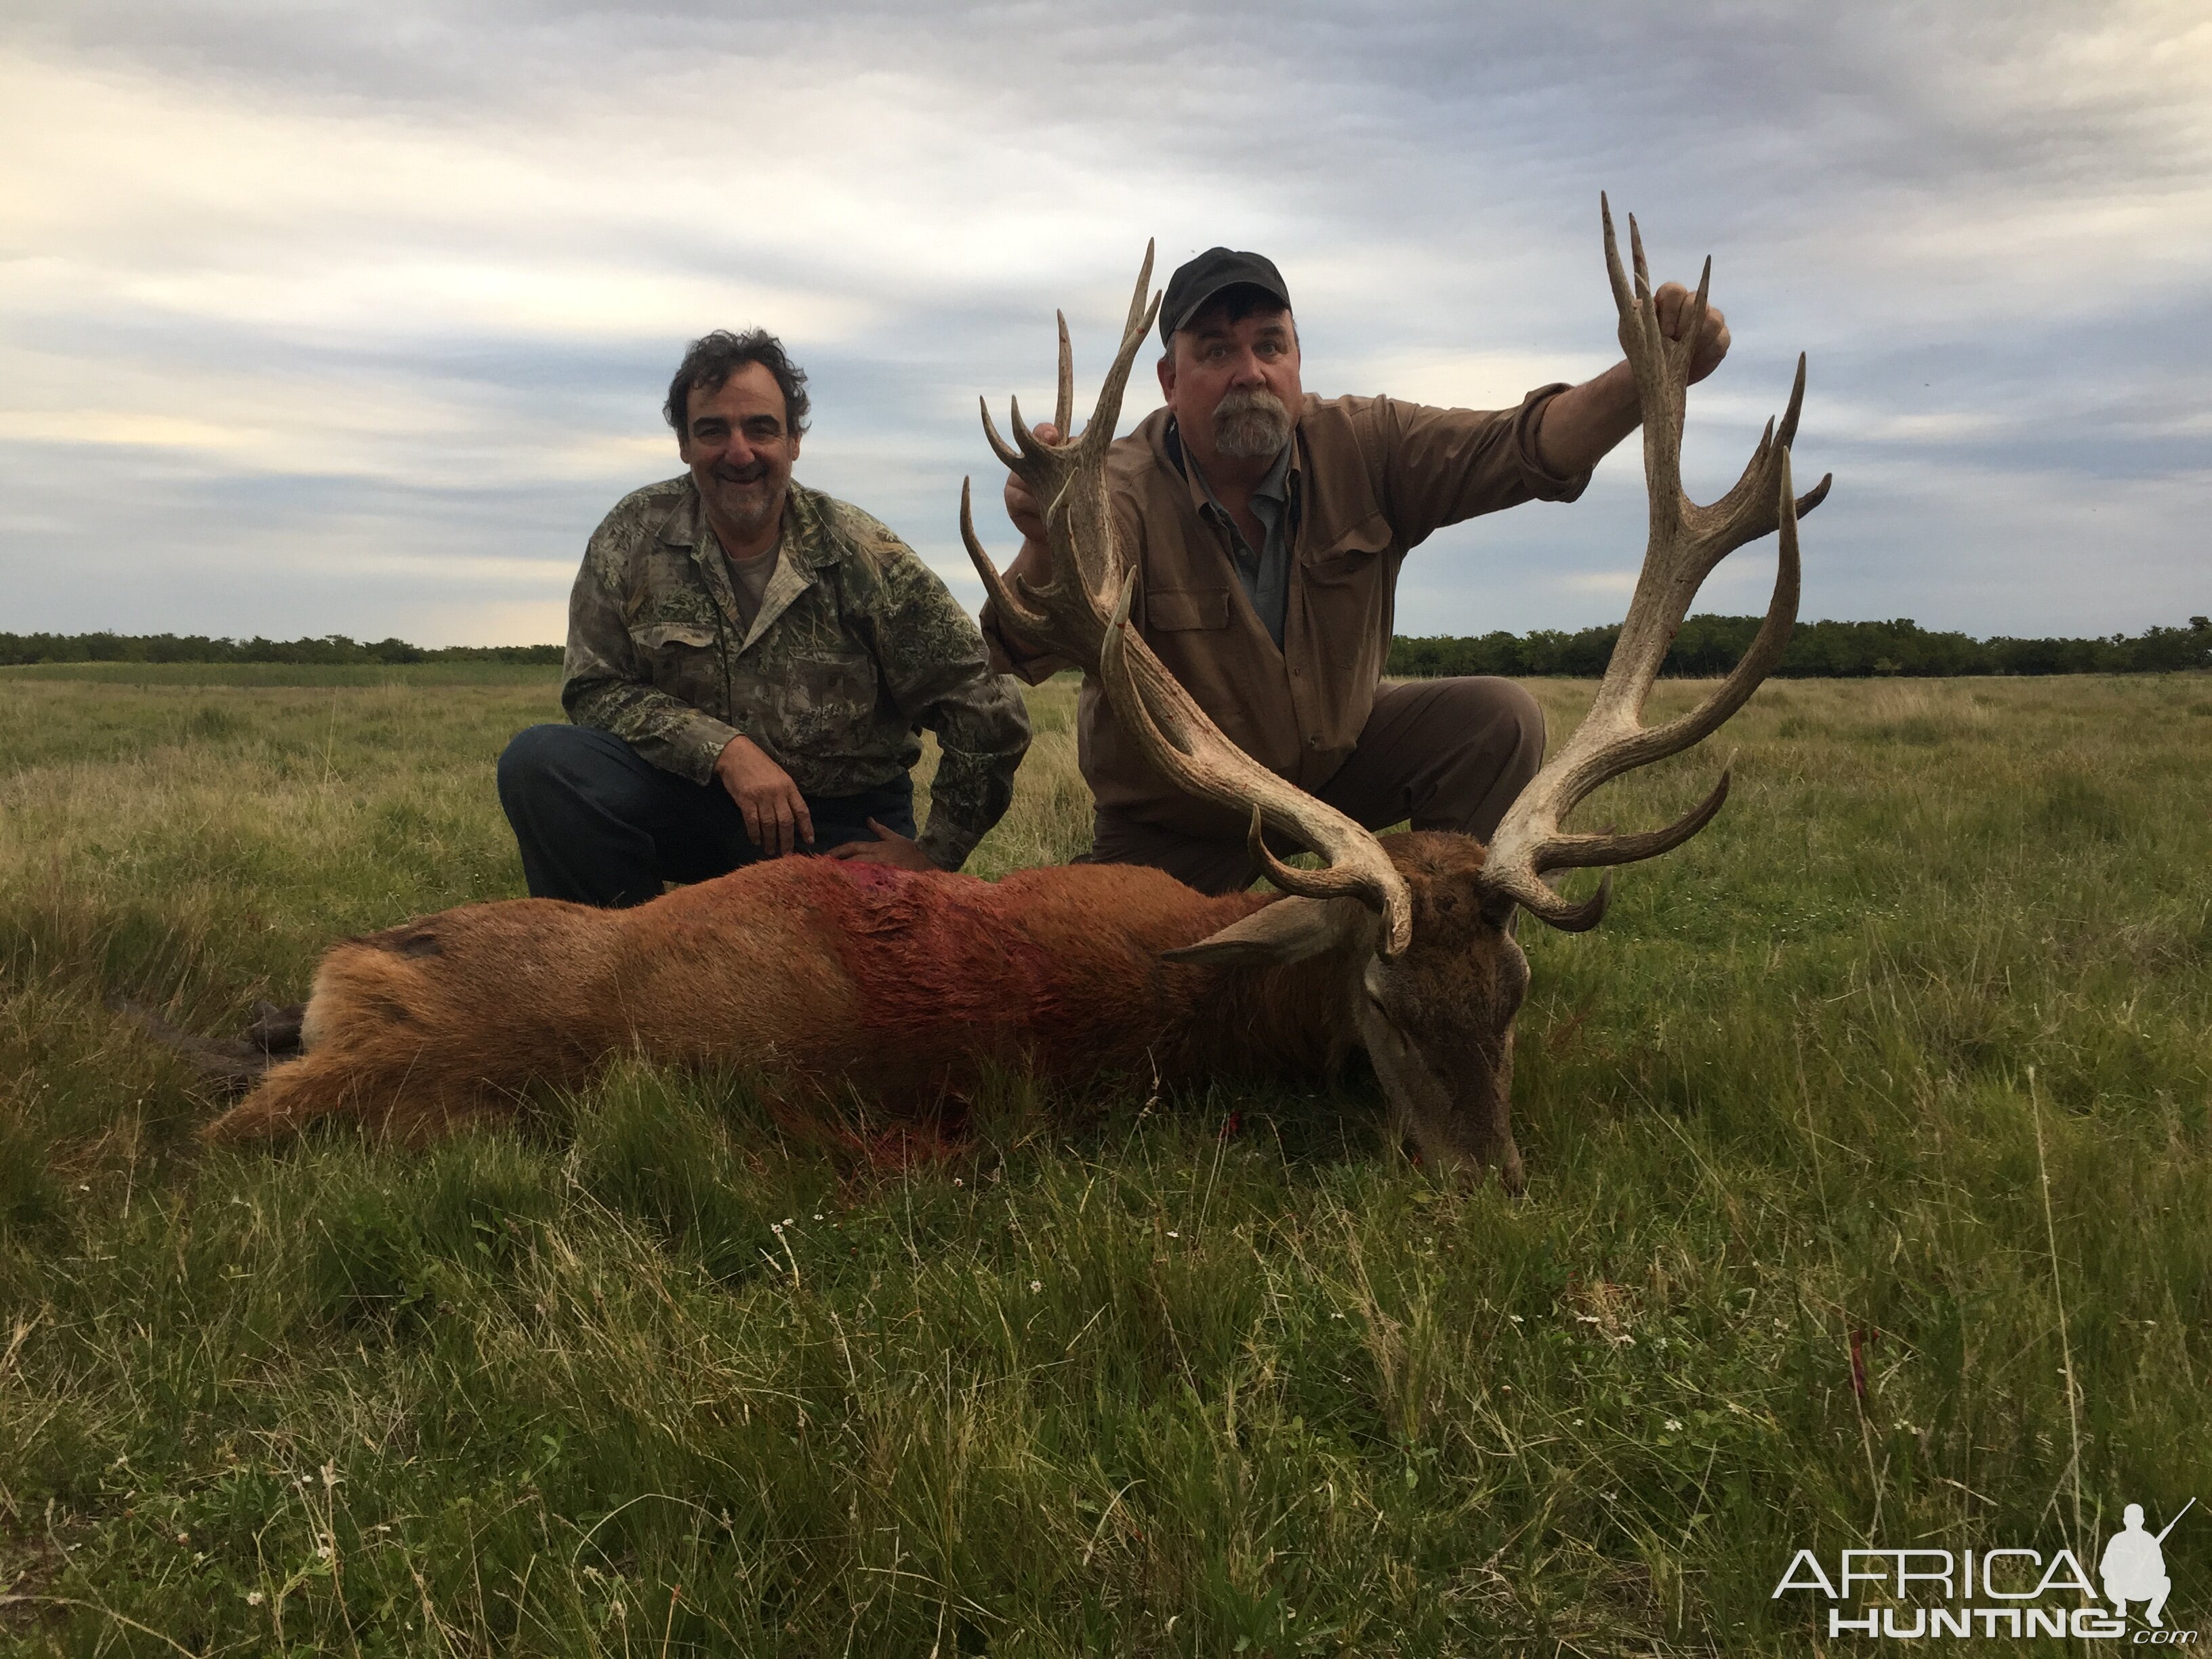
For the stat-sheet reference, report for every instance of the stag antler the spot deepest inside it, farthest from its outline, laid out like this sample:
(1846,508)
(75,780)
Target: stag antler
(1081,611)
(1686,542)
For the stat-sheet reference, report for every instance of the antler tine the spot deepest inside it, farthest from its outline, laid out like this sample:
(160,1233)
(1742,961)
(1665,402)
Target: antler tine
(1100,432)
(1694,324)
(1032,446)
(1022,616)
(1796,403)
(1140,322)
(1686,542)
(1010,457)
(1587,852)
(1622,298)
(1063,409)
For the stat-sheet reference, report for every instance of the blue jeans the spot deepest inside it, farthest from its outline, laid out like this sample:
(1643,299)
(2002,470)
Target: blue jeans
(600,825)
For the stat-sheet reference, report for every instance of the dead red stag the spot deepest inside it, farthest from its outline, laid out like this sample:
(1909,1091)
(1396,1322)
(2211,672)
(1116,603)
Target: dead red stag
(904,985)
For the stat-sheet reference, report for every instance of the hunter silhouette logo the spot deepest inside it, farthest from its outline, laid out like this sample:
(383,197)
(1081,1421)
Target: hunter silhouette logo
(2134,1567)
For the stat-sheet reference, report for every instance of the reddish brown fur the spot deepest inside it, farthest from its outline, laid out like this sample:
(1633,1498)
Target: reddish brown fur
(819,971)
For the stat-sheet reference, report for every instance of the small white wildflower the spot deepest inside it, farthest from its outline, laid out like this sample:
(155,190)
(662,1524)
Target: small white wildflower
(776,1226)
(1036,1284)
(817,1215)
(325,1552)
(957,1181)
(1516,1319)
(1173,1234)
(183,1537)
(1579,1422)
(254,1598)
(1674,1424)
(790,1220)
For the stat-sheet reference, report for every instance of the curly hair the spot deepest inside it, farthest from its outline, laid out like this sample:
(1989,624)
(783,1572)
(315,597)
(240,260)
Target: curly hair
(710,360)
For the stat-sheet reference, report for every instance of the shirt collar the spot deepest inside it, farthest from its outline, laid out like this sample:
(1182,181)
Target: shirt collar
(805,535)
(1282,485)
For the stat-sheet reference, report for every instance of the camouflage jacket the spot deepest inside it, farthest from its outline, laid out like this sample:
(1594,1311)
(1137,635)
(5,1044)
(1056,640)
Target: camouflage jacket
(857,646)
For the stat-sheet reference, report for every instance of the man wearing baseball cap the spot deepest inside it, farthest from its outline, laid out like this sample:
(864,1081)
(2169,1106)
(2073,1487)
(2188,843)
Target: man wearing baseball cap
(1268,526)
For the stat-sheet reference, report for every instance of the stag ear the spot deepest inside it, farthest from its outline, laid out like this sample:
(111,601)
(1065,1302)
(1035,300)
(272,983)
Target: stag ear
(1289,930)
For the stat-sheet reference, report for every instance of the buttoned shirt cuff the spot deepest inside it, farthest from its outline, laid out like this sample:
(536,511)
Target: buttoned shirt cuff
(947,844)
(1544,484)
(1007,658)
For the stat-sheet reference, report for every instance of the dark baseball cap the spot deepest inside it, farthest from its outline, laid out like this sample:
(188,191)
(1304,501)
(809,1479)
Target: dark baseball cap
(1196,281)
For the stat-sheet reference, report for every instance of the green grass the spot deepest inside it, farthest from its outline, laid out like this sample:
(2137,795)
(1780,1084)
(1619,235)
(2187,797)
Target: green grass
(286,674)
(1902,1057)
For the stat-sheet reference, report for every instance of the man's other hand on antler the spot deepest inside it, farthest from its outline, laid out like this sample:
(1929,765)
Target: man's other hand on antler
(1024,508)
(1583,424)
(1674,303)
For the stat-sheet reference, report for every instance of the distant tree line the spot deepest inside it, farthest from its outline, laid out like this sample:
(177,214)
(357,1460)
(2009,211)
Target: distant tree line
(1707,646)
(1710,646)
(334,648)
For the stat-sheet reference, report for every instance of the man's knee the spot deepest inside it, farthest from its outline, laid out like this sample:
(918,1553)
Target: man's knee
(557,758)
(1497,718)
(1519,712)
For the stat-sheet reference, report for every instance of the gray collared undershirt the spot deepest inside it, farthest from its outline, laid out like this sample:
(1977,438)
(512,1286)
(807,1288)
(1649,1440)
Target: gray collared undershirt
(1264,575)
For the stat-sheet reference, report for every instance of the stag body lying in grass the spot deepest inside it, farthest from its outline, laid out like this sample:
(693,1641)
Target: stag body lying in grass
(907,986)
(904,985)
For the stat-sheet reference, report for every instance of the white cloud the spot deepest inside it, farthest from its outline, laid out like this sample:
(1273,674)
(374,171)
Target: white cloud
(357,321)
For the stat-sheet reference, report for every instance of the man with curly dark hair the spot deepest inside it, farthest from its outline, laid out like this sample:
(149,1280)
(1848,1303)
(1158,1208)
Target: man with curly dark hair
(748,664)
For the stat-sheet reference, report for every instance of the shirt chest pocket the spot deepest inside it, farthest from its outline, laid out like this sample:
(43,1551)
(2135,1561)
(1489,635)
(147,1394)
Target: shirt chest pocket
(654,638)
(682,659)
(1177,609)
(1352,556)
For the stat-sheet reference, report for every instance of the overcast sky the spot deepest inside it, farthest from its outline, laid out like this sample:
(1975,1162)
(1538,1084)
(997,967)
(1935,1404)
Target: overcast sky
(353,319)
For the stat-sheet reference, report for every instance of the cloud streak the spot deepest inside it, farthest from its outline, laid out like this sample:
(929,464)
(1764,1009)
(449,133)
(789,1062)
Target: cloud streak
(314,319)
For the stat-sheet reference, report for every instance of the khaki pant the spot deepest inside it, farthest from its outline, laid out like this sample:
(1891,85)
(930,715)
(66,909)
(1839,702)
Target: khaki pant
(1446,754)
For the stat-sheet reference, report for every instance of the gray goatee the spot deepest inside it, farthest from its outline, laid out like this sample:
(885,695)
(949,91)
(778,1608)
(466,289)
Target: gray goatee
(1250,426)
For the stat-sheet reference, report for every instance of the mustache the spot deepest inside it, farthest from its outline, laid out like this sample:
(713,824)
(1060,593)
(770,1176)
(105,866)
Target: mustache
(743,475)
(1257,401)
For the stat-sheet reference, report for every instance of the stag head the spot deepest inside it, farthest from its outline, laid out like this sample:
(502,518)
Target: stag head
(1424,923)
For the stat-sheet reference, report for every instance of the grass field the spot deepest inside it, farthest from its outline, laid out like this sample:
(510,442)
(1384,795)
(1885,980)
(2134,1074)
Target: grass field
(1869,1196)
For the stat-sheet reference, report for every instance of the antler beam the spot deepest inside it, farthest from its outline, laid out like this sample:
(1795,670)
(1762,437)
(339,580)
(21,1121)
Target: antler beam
(1687,541)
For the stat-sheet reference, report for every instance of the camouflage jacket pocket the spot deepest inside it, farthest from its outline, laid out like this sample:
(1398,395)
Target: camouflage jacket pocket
(683,659)
(826,702)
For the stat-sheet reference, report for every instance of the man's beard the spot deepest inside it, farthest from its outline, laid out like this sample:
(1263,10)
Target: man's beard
(748,502)
(1250,426)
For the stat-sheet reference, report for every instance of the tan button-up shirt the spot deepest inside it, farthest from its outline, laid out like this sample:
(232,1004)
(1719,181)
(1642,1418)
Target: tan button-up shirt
(1371,478)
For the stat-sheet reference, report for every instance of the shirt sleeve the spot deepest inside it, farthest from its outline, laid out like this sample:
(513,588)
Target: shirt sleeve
(605,683)
(1433,467)
(936,669)
(1007,655)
